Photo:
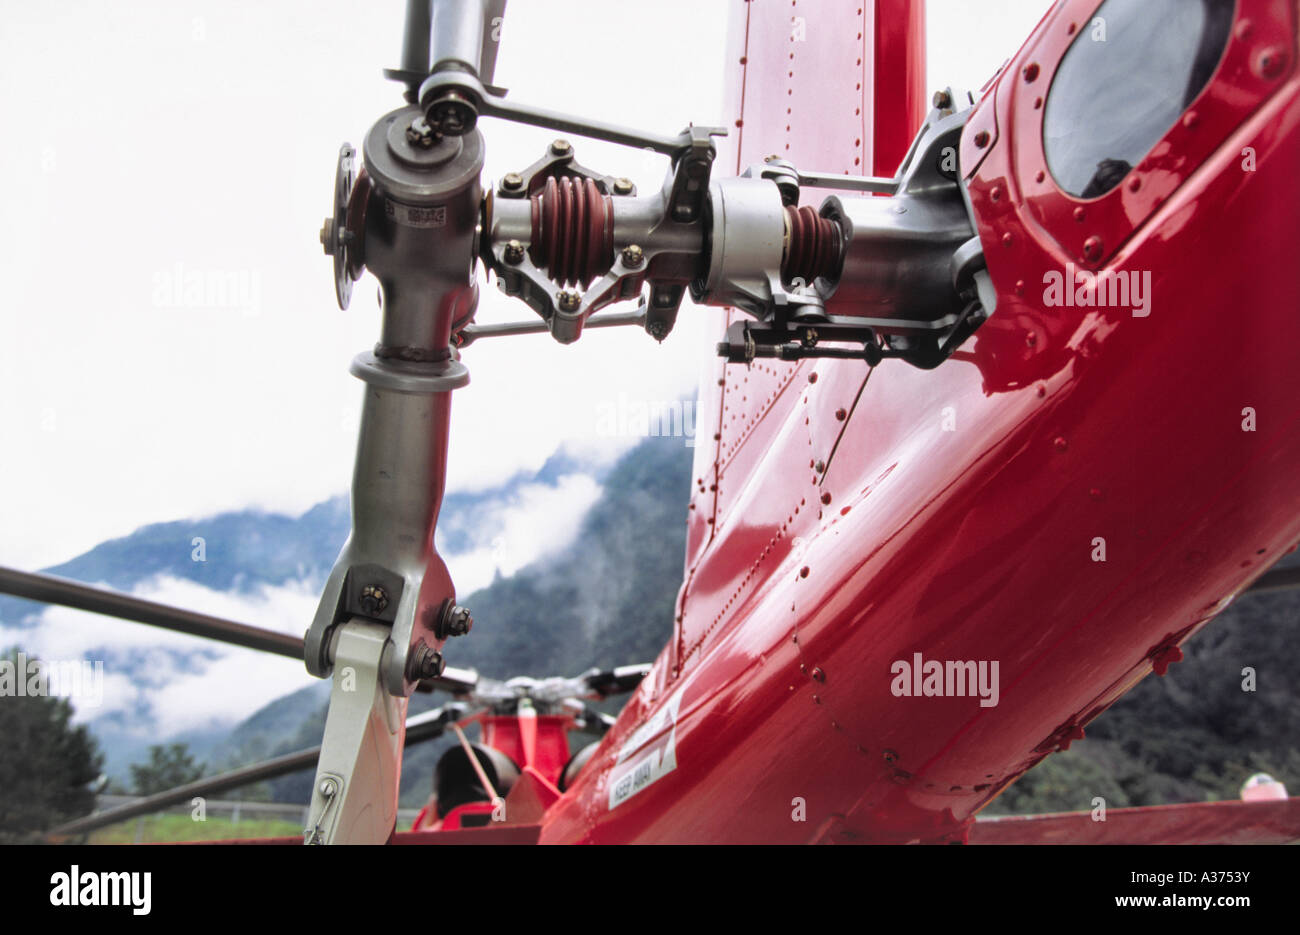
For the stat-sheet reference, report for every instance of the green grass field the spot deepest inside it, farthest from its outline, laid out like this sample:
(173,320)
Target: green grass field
(162,829)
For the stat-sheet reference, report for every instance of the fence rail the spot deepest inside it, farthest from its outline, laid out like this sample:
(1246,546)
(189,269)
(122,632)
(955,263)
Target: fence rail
(234,810)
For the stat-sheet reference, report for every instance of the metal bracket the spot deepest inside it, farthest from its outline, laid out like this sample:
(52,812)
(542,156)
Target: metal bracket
(354,797)
(912,263)
(809,336)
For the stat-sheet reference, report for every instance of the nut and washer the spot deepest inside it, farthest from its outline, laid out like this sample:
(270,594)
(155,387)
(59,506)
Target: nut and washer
(420,134)
(424,663)
(373,598)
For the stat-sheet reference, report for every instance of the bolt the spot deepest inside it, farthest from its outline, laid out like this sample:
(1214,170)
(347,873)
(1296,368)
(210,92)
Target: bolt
(1269,62)
(456,621)
(1092,249)
(633,255)
(561,148)
(568,300)
(419,133)
(452,114)
(623,186)
(512,182)
(1031,71)
(819,467)
(424,663)
(327,236)
(982,138)
(449,120)
(514,252)
(942,100)
(373,598)
(656,329)
(328,788)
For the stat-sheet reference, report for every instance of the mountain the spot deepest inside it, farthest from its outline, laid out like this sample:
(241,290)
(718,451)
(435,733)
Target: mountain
(605,600)
(267,569)
(250,548)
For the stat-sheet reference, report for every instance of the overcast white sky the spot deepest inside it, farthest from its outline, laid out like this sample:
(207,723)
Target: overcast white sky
(146,142)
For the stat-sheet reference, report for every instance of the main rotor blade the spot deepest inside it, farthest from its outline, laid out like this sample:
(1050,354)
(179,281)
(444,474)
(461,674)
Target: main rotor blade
(420,728)
(620,681)
(453,681)
(49,589)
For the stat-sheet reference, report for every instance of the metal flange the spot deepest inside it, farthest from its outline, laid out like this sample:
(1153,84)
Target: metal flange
(337,239)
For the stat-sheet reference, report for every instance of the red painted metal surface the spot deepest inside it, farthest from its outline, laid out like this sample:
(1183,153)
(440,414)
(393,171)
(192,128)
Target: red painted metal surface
(540,742)
(844,520)
(1197,823)
(461,818)
(491,834)
(898,80)
(539,746)
(1238,90)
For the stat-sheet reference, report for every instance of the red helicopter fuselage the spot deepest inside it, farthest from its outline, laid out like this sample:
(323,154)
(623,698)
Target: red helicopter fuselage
(1063,503)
